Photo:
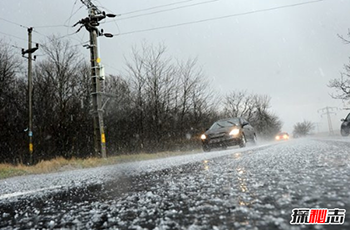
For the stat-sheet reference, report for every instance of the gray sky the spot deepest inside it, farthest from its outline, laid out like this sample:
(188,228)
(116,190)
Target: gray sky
(289,53)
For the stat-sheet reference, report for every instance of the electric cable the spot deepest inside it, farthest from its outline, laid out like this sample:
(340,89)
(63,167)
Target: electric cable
(220,17)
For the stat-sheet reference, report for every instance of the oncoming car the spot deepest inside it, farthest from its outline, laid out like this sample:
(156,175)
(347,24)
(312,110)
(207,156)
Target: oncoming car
(345,126)
(282,136)
(228,132)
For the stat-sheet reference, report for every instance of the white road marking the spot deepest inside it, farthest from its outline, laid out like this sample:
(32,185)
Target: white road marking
(15,194)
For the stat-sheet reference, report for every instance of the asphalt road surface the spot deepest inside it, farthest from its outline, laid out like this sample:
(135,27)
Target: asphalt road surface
(255,187)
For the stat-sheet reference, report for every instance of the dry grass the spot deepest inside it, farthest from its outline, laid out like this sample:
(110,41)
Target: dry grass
(62,164)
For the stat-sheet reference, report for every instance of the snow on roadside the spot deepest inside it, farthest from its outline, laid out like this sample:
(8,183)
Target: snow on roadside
(32,184)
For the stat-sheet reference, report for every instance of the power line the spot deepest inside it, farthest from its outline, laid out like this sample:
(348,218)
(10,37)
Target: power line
(14,46)
(74,45)
(37,32)
(219,18)
(10,35)
(65,36)
(33,42)
(52,26)
(80,44)
(111,67)
(115,22)
(20,25)
(171,9)
(156,7)
(17,24)
(102,6)
(63,25)
(46,26)
(71,13)
(58,38)
(160,11)
(7,43)
(14,23)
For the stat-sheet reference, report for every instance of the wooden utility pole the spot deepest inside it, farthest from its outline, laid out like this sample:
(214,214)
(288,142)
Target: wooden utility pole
(99,133)
(91,23)
(29,51)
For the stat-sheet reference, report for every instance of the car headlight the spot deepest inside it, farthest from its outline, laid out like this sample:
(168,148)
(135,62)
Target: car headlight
(234,132)
(203,137)
(277,137)
(285,137)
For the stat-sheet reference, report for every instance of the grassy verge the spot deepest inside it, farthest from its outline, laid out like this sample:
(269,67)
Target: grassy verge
(62,164)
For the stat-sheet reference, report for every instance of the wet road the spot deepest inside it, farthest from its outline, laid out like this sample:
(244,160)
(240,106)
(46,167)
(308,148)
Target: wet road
(251,188)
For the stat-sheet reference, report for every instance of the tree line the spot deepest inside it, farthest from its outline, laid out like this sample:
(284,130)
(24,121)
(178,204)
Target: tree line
(159,103)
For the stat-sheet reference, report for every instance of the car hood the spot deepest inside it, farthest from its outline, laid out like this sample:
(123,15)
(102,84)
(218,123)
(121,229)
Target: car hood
(219,132)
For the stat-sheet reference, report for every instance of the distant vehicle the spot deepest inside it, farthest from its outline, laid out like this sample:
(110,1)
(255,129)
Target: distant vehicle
(228,132)
(345,126)
(282,136)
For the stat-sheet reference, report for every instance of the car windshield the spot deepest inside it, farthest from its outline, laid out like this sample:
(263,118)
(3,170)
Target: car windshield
(348,117)
(224,123)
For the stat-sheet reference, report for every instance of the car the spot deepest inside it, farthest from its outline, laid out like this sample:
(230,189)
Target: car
(228,132)
(345,126)
(282,136)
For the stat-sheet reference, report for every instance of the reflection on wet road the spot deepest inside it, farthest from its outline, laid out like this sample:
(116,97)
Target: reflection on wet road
(245,189)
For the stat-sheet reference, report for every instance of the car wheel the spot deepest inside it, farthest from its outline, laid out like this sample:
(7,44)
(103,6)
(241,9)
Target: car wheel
(206,148)
(344,133)
(243,141)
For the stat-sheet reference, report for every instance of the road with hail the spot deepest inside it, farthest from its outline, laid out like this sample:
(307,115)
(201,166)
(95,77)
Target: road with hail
(276,185)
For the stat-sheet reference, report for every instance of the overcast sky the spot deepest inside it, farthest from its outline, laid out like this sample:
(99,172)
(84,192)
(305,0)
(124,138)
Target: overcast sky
(289,53)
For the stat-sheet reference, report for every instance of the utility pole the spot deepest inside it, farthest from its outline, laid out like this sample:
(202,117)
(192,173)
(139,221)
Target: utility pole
(91,24)
(29,51)
(328,111)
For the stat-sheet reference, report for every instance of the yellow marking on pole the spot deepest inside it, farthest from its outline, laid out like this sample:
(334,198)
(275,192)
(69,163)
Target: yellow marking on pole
(103,138)
(98,60)
(30,147)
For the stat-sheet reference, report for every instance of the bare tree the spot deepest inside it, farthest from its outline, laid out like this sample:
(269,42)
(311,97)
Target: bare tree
(303,128)
(159,104)
(13,106)
(342,84)
(120,127)
(240,104)
(60,83)
(255,108)
(152,76)
(171,97)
